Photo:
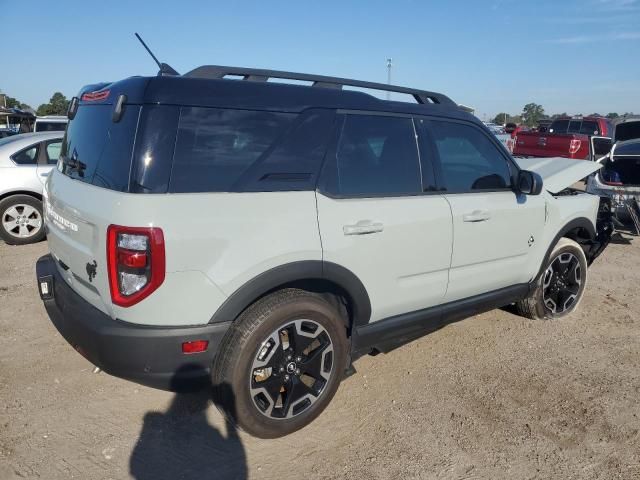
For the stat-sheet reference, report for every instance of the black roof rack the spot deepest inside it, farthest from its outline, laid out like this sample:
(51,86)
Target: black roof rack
(260,75)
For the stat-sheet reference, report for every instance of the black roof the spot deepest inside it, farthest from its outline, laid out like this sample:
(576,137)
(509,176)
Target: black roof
(206,86)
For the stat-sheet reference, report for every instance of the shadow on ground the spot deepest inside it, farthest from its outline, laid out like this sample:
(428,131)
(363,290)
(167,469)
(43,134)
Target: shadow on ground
(180,444)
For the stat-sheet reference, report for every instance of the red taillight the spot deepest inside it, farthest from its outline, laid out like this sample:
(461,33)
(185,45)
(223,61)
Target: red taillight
(95,96)
(135,261)
(195,346)
(574,146)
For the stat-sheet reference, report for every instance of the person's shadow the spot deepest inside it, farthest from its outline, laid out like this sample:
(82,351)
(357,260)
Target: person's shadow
(179,444)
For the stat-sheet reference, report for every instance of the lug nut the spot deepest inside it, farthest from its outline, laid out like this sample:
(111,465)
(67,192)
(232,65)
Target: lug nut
(282,369)
(297,371)
(298,359)
(286,377)
(288,357)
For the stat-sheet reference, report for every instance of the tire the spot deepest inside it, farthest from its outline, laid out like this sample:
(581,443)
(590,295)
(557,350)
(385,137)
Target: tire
(561,285)
(258,366)
(21,220)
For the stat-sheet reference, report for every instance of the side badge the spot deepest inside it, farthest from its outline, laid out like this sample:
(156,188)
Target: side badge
(92,270)
(531,240)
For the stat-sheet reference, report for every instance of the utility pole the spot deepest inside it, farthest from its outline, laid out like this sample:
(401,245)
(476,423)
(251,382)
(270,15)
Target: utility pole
(389,65)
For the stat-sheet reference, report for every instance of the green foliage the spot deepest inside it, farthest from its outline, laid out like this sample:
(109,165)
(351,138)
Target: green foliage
(503,118)
(58,105)
(14,103)
(532,113)
(612,115)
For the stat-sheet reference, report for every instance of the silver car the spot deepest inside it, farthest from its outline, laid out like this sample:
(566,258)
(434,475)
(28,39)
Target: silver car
(25,163)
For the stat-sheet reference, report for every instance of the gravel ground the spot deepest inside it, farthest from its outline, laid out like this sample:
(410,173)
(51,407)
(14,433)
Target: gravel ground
(494,396)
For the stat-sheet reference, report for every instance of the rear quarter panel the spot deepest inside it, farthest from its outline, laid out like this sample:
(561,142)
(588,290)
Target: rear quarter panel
(214,242)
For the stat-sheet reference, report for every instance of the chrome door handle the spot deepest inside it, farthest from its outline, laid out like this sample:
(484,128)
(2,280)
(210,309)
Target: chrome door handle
(363,227)
(476,216)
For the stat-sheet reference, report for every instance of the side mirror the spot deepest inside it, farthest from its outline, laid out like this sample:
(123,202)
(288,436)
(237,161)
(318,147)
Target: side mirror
(529,183)
(600,146)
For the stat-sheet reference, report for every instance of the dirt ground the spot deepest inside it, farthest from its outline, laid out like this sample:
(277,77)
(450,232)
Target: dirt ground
(494,396)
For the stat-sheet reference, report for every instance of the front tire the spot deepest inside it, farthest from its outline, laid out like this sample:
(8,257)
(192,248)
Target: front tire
(281,363)
(21,220)
(560,288)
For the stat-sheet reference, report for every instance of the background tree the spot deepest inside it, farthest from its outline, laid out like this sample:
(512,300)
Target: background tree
(559,115)
(531,113)
(612,115)
(58,105)
(12,102)
(501,118)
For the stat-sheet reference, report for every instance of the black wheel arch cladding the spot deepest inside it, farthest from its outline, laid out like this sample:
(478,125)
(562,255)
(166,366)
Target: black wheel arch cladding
(297,273)
(580,224)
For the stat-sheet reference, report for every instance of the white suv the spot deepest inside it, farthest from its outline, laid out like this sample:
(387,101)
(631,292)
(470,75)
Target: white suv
(261,236)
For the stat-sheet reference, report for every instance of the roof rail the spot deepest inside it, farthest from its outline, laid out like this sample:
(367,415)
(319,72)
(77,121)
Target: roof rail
(260,75)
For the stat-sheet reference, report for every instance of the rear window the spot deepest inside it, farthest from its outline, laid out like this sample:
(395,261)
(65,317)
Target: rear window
(98,151)
(589,128)
(215,146)
(627,131)
(559,126)
(574,126)
(50,126)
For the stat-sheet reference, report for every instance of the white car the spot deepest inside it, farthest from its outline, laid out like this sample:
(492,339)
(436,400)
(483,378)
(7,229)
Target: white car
(51,123)
(260,237)
(25,163)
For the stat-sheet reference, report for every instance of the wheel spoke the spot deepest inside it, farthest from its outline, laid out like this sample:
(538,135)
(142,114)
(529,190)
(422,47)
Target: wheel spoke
(11,212)
(28,210)
(23,231)
(296,368)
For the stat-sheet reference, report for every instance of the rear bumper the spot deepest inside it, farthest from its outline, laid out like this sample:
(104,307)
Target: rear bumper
(147,355)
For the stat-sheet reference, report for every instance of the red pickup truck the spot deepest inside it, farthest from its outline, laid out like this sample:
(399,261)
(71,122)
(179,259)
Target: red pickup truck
(567,137)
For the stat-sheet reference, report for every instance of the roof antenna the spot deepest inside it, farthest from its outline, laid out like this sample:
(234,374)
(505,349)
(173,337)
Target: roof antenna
(164,68)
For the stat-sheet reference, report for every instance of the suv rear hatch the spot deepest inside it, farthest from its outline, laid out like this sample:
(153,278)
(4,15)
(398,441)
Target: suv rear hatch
(96,152)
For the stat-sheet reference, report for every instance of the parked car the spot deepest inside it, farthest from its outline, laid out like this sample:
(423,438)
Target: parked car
(25,162)
(619,179)
(566,137)
(50,123)
(5,132)
(261,236)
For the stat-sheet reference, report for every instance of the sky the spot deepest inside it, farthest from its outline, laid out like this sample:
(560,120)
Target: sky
(574,56)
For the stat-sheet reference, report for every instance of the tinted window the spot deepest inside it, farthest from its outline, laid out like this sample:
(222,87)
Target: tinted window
(53,151)
(559,126)
(574,126)
(295,162)
(589,127)
(469,160)
(377,155)
(98,151)
(214,147)
(50,126)
(627,131)
(28,156)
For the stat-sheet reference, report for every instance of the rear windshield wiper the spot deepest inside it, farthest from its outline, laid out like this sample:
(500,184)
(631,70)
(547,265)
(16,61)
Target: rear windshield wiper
(76,165)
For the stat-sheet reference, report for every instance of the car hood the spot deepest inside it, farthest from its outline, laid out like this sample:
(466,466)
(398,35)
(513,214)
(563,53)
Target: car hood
(558,173)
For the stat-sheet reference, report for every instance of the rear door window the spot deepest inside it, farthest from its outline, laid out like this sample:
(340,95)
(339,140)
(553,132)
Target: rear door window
(377,156)
(98,151)
(53,151)
(214,146)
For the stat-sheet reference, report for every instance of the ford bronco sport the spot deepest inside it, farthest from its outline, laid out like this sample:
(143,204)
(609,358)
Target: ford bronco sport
(262,235)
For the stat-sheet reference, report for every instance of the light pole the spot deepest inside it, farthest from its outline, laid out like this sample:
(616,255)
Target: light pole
(389,65)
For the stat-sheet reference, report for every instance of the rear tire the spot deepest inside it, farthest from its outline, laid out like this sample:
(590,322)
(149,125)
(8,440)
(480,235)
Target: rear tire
(21,220)
(560,288)
(280,363)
